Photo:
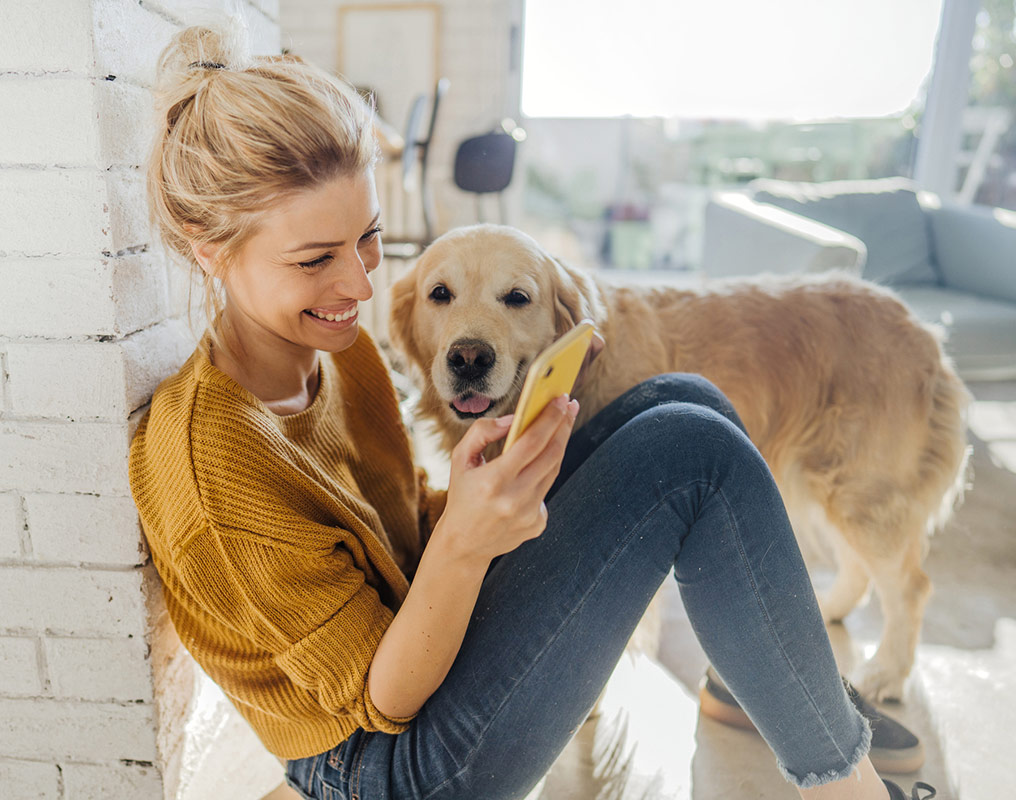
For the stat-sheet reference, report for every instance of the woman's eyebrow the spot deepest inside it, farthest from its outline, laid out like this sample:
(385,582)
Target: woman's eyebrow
(316,245)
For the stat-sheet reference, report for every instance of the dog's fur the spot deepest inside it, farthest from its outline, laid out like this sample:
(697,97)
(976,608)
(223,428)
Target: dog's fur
(849,398)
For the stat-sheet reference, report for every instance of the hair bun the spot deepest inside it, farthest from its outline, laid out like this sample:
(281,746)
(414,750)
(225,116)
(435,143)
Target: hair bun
(219,42)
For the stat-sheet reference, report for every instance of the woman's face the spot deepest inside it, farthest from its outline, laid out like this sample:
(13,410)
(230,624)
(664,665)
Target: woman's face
(300,278)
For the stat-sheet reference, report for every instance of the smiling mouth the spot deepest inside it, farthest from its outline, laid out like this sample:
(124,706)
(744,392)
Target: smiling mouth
(349,313)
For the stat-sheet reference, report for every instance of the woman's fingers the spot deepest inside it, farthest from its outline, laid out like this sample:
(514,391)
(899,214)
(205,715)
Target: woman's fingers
(539,475)
(535,439)
(469,451)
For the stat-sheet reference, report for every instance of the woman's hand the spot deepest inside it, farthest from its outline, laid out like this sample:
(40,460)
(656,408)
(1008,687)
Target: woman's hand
(495,506)
(492,508)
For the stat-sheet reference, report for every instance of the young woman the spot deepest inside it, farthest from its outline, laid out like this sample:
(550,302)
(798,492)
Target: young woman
(389,641)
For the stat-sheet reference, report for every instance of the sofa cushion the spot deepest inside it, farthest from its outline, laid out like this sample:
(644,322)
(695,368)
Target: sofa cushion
(975,249)
(981,333)
(883,213)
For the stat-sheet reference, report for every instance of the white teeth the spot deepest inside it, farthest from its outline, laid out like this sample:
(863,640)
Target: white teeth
(335,317)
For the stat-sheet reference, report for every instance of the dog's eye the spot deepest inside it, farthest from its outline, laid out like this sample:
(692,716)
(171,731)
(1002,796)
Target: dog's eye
(440,294)
(516,297)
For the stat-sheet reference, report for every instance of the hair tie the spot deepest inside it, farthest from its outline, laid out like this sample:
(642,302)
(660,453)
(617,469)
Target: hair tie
(207,64)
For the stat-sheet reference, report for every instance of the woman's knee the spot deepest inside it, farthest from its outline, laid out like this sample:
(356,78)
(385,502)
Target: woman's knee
(690,387)
(687,433)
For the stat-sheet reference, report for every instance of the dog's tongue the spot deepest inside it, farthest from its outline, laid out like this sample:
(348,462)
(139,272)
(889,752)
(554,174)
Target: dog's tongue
(472,403)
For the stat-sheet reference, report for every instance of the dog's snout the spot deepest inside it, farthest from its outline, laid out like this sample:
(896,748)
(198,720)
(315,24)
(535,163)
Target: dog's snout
(470,358)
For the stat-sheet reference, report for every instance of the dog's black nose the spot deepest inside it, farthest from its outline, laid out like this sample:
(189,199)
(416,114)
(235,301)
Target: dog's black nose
(470,358)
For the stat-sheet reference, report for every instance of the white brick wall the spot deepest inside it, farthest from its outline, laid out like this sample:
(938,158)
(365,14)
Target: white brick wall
(90,322)
(30,780)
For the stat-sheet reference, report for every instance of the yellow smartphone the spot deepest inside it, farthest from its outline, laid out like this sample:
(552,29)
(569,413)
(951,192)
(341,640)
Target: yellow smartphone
(551,374)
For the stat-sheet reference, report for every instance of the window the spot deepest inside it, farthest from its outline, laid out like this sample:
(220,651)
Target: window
(726,59)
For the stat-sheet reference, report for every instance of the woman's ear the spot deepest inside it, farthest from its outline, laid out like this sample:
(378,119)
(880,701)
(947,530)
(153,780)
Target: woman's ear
(205,254)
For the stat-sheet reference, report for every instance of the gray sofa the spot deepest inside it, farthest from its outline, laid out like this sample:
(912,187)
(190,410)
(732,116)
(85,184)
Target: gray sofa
(954,265)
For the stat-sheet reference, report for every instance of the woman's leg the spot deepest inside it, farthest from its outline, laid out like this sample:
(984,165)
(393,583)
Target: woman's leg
(678,488)
(673,387)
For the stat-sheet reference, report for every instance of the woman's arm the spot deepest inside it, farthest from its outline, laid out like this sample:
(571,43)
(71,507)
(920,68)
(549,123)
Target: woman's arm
(492,508)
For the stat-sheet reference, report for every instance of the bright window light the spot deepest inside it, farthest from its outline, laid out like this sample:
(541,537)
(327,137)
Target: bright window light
(726,59)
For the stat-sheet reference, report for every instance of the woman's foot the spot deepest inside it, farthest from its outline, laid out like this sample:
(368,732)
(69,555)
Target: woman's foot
(894,748)
(896,793)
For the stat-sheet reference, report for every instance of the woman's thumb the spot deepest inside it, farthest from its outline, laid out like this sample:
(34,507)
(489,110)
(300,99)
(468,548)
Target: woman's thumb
(482,432)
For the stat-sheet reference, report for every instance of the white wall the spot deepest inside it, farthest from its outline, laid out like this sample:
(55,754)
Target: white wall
(90,322)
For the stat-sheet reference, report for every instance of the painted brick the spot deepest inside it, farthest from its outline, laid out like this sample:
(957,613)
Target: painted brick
(60,729)
(84,528)
(67,381)
(11,525)
(264,33)
(19,666)
(29,780)
(134,420)
(56,298)
(127,38)
(139,292)
(80,668)
(71,202)
(270,8)
(64,43)
(63,298)
(74,122)
(111,782)
(87,211)
(3,382)
(128,220)
(48,121)
(151,355)
(126,124)
(69,457)
(68,601)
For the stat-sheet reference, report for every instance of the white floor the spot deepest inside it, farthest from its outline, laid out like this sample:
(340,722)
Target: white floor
(649,742)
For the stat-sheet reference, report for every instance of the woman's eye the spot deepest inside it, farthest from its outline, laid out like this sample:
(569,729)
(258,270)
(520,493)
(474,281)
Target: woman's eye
(317,262)
(515,298)
(372,234)
(440,294)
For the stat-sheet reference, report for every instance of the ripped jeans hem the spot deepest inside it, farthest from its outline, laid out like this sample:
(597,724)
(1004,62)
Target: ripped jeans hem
(811,779)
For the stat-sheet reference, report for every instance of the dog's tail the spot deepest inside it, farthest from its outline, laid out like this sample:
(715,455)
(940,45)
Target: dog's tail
(946,464)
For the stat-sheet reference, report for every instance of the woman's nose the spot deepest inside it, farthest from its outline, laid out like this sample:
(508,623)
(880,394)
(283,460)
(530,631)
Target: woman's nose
(353,280)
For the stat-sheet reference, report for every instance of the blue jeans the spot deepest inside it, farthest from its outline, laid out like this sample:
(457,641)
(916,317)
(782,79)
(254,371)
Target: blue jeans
(664,480)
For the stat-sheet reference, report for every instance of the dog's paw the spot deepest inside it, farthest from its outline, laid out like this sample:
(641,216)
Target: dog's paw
(877,682)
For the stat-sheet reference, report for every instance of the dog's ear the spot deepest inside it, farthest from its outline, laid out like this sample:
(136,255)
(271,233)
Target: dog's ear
(576,297)
(400,317)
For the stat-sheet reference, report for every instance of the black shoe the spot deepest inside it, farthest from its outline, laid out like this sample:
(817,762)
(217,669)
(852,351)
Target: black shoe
(893,748)
(896,793)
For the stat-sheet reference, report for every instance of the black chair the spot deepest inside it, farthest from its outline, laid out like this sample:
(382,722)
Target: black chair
(484,164)
(417,150)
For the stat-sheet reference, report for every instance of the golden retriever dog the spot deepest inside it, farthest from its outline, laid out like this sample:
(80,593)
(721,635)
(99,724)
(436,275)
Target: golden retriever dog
(849,397)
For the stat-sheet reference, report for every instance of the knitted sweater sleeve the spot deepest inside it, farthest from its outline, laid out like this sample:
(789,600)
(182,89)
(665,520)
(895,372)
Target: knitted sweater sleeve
(312,611)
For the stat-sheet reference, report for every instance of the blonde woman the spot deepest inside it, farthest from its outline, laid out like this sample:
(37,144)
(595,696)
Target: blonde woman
(386,640)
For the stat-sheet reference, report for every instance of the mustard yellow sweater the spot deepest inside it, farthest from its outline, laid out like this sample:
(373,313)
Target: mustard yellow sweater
(284,543)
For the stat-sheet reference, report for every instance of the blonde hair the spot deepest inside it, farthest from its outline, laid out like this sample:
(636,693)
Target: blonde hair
(235,135)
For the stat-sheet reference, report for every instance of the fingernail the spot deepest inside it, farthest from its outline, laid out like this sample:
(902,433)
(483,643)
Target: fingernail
(561,402)
(573,409)
(505,421)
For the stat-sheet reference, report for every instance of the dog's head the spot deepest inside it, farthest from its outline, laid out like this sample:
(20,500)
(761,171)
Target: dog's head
(475,310)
